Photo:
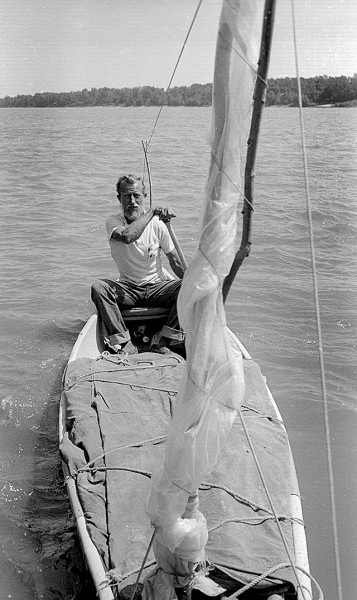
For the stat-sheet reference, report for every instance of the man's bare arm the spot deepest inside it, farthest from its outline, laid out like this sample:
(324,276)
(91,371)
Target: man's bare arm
(175,263)
(131,232)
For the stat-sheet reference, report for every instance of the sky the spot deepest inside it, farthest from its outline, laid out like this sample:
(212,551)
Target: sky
(67,45)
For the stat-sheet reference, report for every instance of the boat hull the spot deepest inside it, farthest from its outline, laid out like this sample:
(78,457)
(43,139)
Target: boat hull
(88,346)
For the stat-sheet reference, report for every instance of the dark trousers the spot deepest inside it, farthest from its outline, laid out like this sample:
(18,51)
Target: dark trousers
(110,296)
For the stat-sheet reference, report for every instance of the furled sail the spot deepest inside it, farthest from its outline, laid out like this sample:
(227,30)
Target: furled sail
(214,386)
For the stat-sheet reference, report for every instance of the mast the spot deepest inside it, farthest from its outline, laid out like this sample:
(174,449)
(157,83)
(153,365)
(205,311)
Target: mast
(249,175)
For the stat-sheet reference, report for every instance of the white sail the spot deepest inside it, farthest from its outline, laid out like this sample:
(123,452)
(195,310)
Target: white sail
(214,386)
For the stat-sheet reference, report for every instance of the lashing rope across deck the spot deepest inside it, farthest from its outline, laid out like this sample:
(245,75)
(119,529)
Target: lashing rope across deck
(127,367)
(205,486)
(90,465)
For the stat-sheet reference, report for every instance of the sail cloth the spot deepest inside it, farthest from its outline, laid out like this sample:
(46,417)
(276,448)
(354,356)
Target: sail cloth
(213,387)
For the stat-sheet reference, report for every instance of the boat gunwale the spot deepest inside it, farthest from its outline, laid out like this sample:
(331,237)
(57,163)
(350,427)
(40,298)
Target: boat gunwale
(93,560)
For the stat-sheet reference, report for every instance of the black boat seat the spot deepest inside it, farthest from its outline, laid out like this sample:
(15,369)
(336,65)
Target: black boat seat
(144,313)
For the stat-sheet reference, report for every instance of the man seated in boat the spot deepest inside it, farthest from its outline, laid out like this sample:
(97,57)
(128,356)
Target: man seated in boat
(136,238)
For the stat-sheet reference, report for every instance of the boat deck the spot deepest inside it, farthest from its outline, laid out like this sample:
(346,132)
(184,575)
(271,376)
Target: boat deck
(115,417)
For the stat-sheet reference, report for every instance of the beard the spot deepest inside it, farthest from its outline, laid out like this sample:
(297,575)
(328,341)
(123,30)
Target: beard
(132,213)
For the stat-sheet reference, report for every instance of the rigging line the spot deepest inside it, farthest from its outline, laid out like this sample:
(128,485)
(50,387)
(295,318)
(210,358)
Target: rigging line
(318,324)
(239,192)
(276,518)
(143,564)
(174,71)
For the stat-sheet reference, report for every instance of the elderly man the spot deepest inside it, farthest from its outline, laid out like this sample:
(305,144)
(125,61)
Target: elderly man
(136,238)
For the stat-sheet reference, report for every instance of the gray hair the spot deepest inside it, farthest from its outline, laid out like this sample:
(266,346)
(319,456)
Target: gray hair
(130,179)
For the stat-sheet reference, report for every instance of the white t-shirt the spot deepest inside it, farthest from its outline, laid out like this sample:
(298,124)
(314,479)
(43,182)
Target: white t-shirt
(140,261)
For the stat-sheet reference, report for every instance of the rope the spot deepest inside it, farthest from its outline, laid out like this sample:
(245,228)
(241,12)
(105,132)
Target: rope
(207,486)
(139,385)
(270,572)
(104,469)
(132,385)
(255,521)
(174,71)
(318,324)
(260,414)
(156,440)
(251,65)
(234,495)
(271,502)
(119,578)
(113,574)
(203,487)
(143,564)
(147,144)
(124,361)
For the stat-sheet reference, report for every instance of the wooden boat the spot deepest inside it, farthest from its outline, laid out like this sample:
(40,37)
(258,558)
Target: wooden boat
(119,420)
(87,348)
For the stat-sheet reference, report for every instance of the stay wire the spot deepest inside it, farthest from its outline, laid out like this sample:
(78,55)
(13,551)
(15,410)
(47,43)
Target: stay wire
(174,71)
(318,324)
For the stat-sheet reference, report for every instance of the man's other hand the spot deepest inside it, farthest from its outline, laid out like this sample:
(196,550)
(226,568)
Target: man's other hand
(164,213)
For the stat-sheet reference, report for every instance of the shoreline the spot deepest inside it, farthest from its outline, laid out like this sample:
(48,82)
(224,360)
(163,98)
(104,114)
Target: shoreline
(350,104)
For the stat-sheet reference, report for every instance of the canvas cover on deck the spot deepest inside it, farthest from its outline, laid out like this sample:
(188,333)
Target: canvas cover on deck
(118,415)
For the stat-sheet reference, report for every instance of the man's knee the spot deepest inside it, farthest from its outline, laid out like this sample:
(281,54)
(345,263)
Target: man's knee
(175,287)
(97,289)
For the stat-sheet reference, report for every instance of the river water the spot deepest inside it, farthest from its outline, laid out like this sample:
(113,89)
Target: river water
(58,174)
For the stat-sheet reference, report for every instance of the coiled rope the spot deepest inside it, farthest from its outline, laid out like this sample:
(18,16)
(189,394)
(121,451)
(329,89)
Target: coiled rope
(270,572)
(318,324)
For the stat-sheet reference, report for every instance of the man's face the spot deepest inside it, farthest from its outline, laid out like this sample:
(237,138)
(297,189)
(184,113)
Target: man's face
(132,199)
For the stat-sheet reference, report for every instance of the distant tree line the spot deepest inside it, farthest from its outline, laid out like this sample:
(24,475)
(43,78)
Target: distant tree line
(283,91)
(314,90)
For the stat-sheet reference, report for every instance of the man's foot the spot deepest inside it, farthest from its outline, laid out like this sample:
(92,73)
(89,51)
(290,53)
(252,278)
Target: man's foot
(161,350)
(161,346)
(127,348)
